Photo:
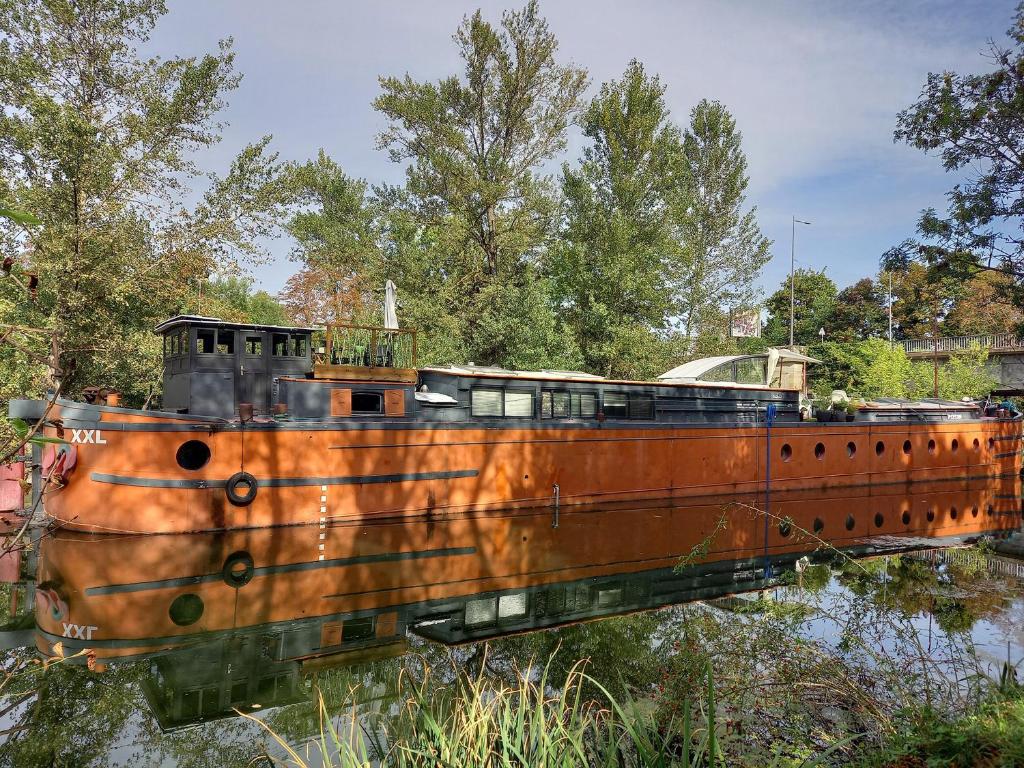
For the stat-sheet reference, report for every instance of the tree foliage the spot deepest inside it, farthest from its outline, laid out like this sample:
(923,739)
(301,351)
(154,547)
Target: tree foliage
(975,124)
(814,303)
(98,143)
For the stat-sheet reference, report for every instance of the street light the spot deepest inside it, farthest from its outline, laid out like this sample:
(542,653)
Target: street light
(792,272)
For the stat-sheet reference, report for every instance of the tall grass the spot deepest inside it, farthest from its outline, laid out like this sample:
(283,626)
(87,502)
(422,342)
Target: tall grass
(473,724)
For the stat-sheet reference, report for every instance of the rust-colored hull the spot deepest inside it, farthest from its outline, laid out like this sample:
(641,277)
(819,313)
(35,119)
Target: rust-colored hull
(328,472)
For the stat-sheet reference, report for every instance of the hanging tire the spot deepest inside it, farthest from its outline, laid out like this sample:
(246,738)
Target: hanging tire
(231,487)
(238,569)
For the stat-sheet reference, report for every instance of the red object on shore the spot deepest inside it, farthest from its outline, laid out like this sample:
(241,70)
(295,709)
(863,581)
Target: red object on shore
(12,493)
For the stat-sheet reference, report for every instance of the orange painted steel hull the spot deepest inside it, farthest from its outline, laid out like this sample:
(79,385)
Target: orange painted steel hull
(122,587)
(131,482)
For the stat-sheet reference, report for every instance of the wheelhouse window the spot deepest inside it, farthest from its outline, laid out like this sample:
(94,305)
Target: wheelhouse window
(205,339)
(511,403)
(367,402)
(628,405)
(254,346)
(747,370)
(555,404)
(225,342)
(288,345)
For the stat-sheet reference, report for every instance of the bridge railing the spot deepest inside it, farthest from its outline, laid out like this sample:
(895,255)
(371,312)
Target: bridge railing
(963,343)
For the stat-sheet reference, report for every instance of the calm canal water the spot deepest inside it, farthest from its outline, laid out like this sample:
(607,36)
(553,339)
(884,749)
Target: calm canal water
(141,651)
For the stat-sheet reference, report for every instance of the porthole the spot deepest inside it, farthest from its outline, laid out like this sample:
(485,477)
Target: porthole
(906,447)
(850,522)
(977,445)
(906,518)
(785,528)
(953,513)
(955,445)
(974,511)
(879,519)
(851,449)
(931,515)
(192,455)
(931,447)
(819,525)
(819,451)
(990,511)
(186,609)
(787,452)
(879,448)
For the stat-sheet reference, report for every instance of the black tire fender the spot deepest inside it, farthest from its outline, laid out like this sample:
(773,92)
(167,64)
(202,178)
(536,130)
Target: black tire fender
(232,576)
(231,489)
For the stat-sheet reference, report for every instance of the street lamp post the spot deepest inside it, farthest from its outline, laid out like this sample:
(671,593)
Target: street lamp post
(792,276)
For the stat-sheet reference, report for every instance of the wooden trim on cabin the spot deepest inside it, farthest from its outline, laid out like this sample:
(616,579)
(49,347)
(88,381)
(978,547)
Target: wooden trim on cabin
(360,373)
(394,402)
(341,402)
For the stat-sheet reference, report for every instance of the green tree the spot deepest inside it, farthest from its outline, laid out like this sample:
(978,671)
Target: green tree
(975,123)
(814,304)
(232,298)
(479,207)
(612,265)
(723,248)
(98,143)
(860,312)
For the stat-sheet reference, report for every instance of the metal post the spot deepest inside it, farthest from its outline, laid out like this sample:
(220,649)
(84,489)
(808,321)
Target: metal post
(557,494)
(935,361)
(890,309)
(792,276)
(769,417)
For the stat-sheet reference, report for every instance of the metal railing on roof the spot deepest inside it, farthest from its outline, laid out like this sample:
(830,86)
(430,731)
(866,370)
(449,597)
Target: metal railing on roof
(963,343)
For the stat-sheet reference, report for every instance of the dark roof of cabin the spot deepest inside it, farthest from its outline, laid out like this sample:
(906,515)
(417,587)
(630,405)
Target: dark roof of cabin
(216,322)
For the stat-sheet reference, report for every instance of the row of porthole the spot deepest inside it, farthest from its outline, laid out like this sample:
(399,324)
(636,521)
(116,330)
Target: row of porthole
(851,448)
(785,527)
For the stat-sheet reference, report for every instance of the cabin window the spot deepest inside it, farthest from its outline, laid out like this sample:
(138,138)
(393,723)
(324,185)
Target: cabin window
(722,372)
(584,405)
(298,346)
(225,342)
(171,343)
(254,346)
(486,402)
(555,404)
(205,341)
(616,405)
(279,345)
(482,611)
(501,402)
(518,403)
(367,402)
(641,407)
(751,370)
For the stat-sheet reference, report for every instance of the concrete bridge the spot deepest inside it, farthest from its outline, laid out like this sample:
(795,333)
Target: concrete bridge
(1005,355)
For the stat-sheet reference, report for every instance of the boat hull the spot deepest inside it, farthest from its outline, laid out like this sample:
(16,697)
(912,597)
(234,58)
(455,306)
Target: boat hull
(126,478)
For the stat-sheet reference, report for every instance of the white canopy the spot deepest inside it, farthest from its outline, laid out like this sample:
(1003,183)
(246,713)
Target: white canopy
(694,369)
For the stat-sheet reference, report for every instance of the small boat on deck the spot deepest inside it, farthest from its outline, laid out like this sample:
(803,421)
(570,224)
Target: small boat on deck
(256,431)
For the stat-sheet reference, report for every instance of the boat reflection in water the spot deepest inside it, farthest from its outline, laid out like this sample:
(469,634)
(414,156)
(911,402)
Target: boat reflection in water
(238,619)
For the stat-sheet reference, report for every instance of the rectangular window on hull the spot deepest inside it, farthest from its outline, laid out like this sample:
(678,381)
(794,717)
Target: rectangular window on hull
(632,405)
(555,404)
(616,405)
(584,405)
(511,403)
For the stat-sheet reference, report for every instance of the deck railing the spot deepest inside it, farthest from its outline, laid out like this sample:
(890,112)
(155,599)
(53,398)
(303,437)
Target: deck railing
(370,347)
(963,343)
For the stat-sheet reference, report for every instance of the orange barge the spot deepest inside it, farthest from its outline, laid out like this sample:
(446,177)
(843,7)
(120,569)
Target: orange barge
(253,432)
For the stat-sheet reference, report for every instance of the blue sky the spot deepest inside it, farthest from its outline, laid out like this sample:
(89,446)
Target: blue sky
(815,88)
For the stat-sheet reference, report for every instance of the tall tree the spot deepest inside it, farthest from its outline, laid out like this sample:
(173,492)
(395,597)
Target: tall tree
(814,304)
(612,265)
(975,123)
(97,142)
(860,312)
(475,148)
(724,250)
